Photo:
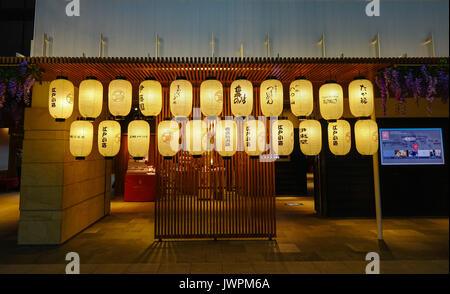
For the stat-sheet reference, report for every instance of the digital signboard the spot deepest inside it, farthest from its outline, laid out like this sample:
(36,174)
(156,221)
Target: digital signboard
(411,146)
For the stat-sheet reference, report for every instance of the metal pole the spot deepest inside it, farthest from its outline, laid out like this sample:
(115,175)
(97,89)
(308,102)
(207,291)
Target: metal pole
(376,185)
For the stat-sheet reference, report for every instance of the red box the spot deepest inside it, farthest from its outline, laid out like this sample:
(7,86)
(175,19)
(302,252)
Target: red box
(140,187)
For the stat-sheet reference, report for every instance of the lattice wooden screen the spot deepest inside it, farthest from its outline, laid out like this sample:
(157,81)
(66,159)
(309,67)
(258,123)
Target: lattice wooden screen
(210,197)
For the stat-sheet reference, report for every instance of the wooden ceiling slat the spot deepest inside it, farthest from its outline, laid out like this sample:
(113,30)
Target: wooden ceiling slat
(226,69)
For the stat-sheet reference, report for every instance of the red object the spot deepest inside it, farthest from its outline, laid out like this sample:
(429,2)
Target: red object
(415,146)
(140,187)
(9,183)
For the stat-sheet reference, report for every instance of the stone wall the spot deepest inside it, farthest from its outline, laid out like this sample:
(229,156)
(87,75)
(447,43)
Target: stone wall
(59,196)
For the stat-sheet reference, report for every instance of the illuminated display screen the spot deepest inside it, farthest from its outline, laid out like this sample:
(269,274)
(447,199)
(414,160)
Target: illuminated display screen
(411,146)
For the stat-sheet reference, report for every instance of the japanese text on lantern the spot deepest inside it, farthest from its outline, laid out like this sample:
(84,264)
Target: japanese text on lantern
(280,135)
(270,93)
(141,98)
(104,137)
(239,97)
(177,94)
(227,137)
(335,137)
(364,94)
(53,97)
(303,136)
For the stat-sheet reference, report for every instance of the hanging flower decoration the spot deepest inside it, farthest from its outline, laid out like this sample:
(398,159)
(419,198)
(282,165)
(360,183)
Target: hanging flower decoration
(15,87)
(426,81)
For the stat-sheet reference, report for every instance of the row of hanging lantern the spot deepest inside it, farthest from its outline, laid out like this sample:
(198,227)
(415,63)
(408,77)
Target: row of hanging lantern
(211,99)
(331,98)
(226,137)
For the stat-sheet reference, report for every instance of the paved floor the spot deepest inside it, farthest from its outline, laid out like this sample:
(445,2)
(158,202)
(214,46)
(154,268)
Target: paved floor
(123,243)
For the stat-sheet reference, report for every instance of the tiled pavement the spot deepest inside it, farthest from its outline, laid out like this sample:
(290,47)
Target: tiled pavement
(123,243)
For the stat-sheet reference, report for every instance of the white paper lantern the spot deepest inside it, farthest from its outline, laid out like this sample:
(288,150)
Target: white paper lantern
(301,97)
(109,137)
(138,139)
(211,97)
(339,137)
(181,97)
(168,138)
(310,136)
(331,100)
(90,98)
(226,138)
(61,98)
(81,137)
(360,97)
(366,137)
(254,138)
(120,97)
(196,137)
(283,137)
(241,95)
(150,97)
(271,96)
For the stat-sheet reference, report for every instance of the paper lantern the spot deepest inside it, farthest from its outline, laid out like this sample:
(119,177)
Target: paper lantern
(241,95)
(271,95)
(360,97)
(331,100)
(226,138)
(254,138)
(81,136)
(60,99)
(211,97)
(196,136)
(168,138)
(339,137)
(90,98)
(138,139)
(301,97)
(109,136)
(283,137)
(181,97)
(119,97)
(150,97)
(310,136)
(366,137)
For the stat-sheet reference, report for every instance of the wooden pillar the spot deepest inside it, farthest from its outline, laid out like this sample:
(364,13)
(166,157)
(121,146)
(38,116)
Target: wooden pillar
(59,196)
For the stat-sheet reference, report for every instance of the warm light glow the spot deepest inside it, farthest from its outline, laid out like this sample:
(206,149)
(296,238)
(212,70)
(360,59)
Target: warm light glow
(90,100)
(81,137)
(168,138)
(331,101)
(360,97)
(109,138)
(301,96)
(196,137)
(226,138)
(138,138)
(366,137)
(119,98)
(310,136)
(254,137)
(241,96)
(150,97)
(211,97)
(339,137)
(61,98)
(181,97)
(283,137)
(271,96)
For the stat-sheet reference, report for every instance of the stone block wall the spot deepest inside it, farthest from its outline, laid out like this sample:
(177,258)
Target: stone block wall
(59,196)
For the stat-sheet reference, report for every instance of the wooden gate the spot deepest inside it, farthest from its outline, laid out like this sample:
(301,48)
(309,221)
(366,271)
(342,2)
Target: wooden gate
(210,197)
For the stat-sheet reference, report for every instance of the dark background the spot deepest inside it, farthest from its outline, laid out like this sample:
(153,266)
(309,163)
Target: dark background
(16,26)
(346,183)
